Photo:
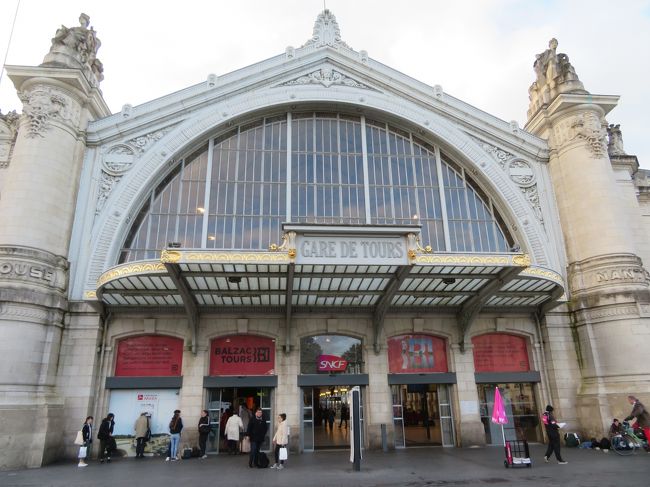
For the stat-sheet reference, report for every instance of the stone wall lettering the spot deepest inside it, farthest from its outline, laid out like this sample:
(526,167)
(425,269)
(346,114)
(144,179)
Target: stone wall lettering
(623,274)
(23,270)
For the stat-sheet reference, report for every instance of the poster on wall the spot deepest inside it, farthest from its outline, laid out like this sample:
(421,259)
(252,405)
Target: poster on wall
(417,354)
(500,352)
(242,355)
(149,356)
(127,405)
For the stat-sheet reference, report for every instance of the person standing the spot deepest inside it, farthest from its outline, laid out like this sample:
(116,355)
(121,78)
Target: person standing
(105,437)
(256,431)
(552,430)
(280,440)
(345,415)
(175,428)
(234,426)
(204,431)
(141,428)
(642,417)
(87,435)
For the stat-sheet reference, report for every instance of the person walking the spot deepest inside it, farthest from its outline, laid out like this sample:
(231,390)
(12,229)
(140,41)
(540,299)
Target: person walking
(642,417)
(280,440)
(345,415)
(552,430)
(256,431)
(87,435)
(105,437)
(204,431)
(234,426)
(175,428)
(141,428)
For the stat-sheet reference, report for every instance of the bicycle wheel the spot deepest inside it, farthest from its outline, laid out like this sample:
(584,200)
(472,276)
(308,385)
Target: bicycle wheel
(624,445)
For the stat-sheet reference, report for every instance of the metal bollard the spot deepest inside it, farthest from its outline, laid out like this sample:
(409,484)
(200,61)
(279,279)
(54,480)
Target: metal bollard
(384,440)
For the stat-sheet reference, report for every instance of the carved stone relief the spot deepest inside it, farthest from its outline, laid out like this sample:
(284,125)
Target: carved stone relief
(326,77)
(615,145)
(586,127)
(326,32)
(520,172)
(8,130)
(42,105)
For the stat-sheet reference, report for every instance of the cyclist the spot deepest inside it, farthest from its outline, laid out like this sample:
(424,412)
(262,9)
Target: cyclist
(642,418)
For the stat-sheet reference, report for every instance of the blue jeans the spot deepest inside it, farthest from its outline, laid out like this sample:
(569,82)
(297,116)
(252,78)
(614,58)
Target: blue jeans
(175,440)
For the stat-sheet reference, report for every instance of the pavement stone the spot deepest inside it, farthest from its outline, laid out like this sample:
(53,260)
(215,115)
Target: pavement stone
(414,467)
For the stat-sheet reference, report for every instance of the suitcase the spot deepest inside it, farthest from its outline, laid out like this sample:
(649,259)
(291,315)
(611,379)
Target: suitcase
(262,460)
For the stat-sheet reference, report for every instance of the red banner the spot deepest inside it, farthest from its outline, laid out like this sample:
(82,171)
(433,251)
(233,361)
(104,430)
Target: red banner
(149,356)
(242,355)
(500,352)
(417,354)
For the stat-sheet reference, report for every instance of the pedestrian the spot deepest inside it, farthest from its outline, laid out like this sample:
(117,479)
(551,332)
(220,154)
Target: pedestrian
(105,437)
(234,426)
(256,431)
(280,440)
(331,417)
(245,415)
(87,435)
(345,415)
(204,431)
(552,430)
(141,428)
(175,428)
(642,417)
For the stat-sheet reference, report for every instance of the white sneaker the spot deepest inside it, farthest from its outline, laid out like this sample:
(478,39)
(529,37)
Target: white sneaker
(275,465)
(81,464)
(280,467)
(546,459)
(562,463)
(204,457)
(167,459)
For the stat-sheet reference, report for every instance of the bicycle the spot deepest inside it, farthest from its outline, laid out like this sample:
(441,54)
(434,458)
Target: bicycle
(627,443)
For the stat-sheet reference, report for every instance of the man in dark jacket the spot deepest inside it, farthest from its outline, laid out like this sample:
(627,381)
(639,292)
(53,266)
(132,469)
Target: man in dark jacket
(256,431)
(105,437)
(552,430)
(204,431)
(642,417)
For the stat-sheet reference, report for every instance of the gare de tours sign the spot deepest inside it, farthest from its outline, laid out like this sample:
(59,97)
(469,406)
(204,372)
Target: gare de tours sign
(351,249)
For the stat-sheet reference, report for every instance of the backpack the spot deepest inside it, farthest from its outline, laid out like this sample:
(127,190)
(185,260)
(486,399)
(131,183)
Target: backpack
(571,439)
(605,444)
(262,460)
(187,453)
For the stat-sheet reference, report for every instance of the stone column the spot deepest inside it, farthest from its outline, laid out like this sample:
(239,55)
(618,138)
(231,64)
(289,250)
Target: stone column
(607,282)
(470,430)
(378,405)
(36,215)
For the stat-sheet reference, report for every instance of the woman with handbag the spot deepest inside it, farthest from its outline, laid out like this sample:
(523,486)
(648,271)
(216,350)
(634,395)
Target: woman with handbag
(87,439)
(280,440)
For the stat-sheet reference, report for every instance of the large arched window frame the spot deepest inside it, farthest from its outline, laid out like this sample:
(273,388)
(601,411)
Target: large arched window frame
(314,167)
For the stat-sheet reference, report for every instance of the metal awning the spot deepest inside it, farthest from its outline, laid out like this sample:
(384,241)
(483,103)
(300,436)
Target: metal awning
(279,280)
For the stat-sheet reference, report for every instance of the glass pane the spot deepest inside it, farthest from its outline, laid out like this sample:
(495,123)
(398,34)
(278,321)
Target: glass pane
(521,410)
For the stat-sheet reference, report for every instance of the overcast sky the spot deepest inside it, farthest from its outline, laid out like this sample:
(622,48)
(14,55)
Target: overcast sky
(480,51)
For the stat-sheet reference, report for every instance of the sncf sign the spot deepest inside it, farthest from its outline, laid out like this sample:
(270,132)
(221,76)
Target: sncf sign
(331,363)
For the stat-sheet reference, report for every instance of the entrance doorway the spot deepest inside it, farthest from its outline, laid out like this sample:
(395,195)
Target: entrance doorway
(326,415)
(225,399)
(422,415)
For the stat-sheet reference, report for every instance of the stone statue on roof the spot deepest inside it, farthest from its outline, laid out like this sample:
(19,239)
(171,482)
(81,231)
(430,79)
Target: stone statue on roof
(77,47)
(554,75)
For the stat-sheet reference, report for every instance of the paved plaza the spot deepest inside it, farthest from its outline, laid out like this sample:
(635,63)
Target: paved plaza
(409,468)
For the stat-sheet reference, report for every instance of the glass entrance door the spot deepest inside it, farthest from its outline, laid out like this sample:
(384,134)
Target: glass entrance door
(422,415)
(325,415)
(223,401)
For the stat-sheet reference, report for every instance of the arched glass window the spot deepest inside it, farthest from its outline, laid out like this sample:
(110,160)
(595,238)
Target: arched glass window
(235,192)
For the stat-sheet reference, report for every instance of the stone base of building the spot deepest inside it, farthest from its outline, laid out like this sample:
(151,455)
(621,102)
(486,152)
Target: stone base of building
(472,434)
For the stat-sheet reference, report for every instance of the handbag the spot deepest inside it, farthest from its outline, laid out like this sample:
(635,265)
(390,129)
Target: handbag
(83,451)
(79,439)
(283,454)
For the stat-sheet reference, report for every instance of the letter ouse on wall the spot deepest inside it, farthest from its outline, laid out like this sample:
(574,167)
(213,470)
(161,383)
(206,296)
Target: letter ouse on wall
(242,355)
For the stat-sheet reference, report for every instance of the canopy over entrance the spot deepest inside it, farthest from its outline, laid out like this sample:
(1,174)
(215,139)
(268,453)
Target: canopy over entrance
(374,270)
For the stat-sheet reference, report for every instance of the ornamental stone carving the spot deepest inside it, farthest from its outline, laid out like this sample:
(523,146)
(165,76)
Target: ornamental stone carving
(326,32)
(77,47)
(615,144)
(520,172)
(326,77)
(42,105)
(106,184)
(8,131)
(586,128)
(143,142)
(118,159)
(554,75)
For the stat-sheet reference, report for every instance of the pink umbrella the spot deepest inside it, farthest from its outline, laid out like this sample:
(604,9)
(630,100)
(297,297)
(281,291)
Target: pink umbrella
(499,412)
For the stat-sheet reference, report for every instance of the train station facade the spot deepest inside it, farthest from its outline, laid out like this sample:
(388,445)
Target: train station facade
(276,235)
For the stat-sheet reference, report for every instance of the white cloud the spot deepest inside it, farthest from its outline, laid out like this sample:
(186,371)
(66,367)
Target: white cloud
(480,51)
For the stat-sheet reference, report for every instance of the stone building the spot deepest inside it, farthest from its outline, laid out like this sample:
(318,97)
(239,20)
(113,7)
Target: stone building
(274,236)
